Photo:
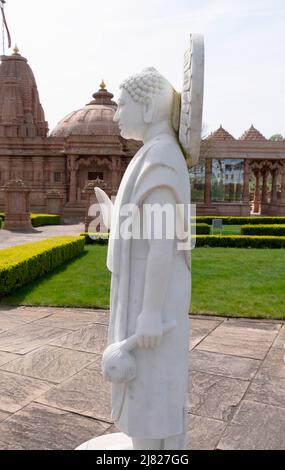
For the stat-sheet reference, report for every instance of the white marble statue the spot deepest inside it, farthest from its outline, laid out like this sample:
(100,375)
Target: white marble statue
(147,357)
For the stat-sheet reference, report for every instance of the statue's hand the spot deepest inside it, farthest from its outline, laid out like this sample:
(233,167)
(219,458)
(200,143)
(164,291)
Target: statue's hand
(149,330)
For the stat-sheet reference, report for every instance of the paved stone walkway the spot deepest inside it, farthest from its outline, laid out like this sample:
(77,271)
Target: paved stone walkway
(8,238)
(52,394)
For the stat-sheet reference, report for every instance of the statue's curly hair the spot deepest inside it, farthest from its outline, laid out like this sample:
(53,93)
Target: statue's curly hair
(142,85)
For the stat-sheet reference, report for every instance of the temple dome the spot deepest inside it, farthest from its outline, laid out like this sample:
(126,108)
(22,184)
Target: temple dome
(21,113)
(253,134)
(96,118)
(220,135)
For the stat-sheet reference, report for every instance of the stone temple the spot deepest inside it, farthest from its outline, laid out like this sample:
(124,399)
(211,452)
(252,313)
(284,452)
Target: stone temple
(84,146)
(234,177)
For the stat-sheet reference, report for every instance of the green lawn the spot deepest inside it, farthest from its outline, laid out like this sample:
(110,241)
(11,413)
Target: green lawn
(230,230)
(226,281)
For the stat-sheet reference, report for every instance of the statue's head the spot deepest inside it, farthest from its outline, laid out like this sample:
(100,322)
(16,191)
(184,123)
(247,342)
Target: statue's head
(146,99)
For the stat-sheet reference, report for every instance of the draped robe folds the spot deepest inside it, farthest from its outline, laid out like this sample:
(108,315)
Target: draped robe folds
(154,404)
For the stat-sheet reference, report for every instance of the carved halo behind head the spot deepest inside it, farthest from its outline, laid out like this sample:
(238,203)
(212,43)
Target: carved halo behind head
(190,128)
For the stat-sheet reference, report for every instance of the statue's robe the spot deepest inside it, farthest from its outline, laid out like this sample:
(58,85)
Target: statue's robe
(154,404)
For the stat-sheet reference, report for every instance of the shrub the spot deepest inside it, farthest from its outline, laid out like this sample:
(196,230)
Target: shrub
(202,229)
(103,238)
(261,230)
(22,264)
(240,241)
(96,238)
(242,220)
(39,220)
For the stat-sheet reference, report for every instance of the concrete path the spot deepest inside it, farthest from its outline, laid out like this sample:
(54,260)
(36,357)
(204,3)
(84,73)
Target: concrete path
(53,396)
(8,238)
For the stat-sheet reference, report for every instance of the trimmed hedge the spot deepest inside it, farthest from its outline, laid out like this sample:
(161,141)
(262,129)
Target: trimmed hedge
(225,241)
(242,220)
(203,229)
(40,220)
(97,238)
(261,230)
(240,241)
(103,238)
(22,264)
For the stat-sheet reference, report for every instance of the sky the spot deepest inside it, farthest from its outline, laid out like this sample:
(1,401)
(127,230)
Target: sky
(71,46)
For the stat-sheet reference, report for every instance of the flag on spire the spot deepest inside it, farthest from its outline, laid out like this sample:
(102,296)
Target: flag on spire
(5,25)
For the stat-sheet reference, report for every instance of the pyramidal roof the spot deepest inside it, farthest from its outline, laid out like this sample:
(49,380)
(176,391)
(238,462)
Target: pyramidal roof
(253,135)
(220,135)
(21,113)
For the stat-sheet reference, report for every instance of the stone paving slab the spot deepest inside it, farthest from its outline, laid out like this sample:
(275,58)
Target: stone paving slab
(280,340)
(255,427)
(86,393)
(214,396)
(200,328)
(243,341)
(203,433)
(69,319)
(53,395)
(39,427)
(97,364)
(7,357)
(268,390)
(50,363)
(26,338)
(274,363)
(25,314)
(221,364)
(92,338)
(4,416)
(7,323)
(17,391)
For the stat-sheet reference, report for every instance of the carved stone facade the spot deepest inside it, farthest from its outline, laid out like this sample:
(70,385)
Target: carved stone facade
(250,177)
(84,146)
(235,176)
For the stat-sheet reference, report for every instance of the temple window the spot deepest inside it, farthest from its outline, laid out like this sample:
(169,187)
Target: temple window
(197,180)
(94,175)
(227,180)
(57,177)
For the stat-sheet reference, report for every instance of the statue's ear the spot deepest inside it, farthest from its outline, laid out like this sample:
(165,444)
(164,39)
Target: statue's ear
(148,110)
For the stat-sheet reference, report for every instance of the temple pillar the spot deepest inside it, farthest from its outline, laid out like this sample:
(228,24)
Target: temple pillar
(208,181)
(115,175)
(73,180)
(264,188)
(274,186)
(256,201)
(246,182)
(282,199)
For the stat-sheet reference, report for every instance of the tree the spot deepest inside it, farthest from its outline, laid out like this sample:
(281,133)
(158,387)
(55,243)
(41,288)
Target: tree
(277,138)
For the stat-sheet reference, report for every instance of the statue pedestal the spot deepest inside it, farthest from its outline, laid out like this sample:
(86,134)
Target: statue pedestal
(117,441)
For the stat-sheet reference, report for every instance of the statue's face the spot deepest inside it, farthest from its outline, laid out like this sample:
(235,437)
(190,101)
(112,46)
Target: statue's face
(129,116)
